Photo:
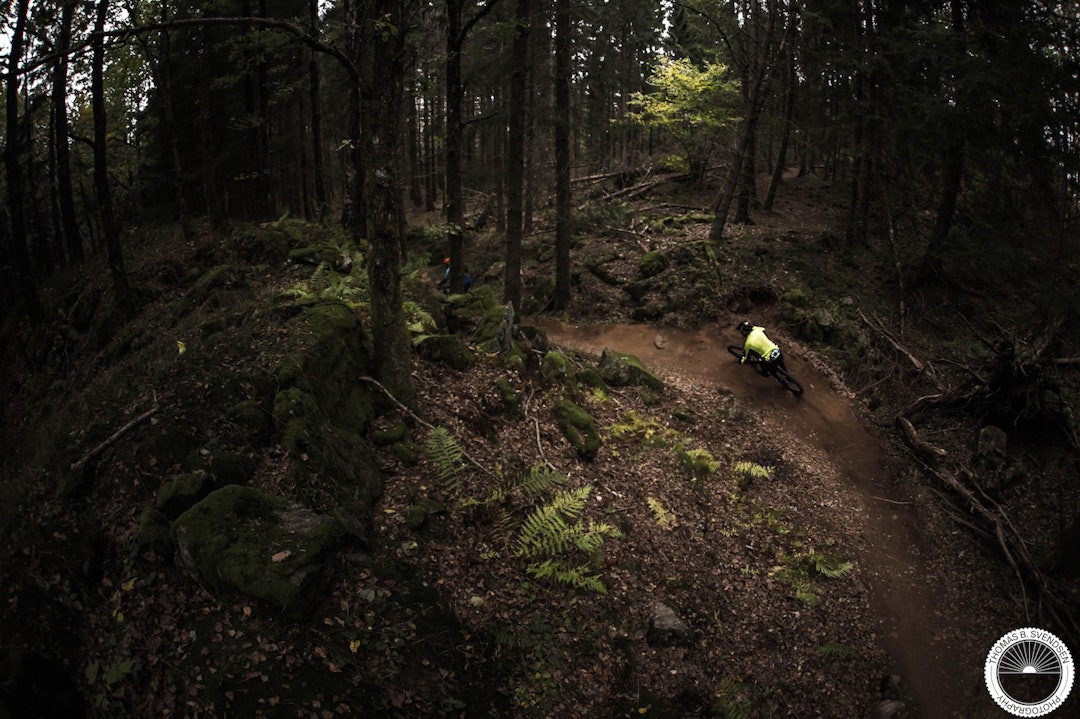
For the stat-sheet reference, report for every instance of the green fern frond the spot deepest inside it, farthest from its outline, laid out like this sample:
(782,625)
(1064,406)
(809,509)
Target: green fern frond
(443,450)
(835,650)
(545,532)
(752,470)
(417,319)
(805,592)
(539,479)
(663,517)
(831,567)
(700,462)
(577,577)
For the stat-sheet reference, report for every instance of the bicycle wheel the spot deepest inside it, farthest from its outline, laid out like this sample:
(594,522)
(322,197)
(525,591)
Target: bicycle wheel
(790,383)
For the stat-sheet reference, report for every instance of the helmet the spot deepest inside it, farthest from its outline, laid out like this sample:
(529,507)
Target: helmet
(744,327)
(446,261)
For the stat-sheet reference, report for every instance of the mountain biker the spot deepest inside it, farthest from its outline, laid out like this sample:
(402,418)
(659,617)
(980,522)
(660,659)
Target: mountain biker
(758,343)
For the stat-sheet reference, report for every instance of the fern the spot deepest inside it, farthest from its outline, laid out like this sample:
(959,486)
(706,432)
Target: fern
(418,320)
(831,567)
(539,479)
(545,531)
(550,535)
(576,577)
(443,450)
(700,462)
(835,650)
(664,518)
(749,471)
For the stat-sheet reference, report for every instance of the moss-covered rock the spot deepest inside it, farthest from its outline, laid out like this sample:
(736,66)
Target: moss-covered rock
(244,540)
(510,398)
(652,263)
(589,377)
(625,370)
(181,493)
(556,365)
(578,427)
(153,534)
(449,350)
(323,410)
(388,430)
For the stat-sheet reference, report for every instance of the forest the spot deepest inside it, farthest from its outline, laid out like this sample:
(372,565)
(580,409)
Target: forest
(366,357)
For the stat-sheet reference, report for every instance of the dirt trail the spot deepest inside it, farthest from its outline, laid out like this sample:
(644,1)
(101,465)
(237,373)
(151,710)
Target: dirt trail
(927,635)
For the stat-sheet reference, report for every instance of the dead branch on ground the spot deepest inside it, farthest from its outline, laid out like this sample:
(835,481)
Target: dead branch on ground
(76,466)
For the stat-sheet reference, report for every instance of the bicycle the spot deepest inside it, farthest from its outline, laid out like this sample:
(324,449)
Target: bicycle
(782,375)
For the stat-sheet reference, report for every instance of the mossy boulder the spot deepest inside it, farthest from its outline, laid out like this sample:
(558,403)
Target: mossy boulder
(652,263)
(626,370)
(323,410)
(556,365)
(578,427)
(240,539)
(183,492)
(449,350)
(153,533)
(510,398)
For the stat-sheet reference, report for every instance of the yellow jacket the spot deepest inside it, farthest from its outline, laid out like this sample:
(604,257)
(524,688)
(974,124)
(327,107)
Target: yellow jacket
(758,343)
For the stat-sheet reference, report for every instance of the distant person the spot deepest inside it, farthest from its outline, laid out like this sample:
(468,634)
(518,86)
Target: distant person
(758,343)
(444,283)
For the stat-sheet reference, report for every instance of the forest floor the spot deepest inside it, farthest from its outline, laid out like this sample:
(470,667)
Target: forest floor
(803,592)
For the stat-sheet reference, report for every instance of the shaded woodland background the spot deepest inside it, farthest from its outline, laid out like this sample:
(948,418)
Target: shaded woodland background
(947,132)
(947,120)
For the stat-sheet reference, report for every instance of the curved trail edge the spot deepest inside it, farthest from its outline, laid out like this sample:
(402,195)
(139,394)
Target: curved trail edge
(910,607)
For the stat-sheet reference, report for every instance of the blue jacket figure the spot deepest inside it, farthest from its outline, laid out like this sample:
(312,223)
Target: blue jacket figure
(444,283)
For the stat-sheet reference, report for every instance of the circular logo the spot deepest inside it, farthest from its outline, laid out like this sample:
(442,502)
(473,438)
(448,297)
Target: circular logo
(1029,672)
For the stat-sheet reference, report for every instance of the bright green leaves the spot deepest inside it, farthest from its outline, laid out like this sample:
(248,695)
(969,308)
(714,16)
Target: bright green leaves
(696,106)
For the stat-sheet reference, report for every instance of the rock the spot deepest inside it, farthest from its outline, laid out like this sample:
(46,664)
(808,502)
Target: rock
(449,350)
(555,365)
(579,428)
(652,264)
(666,628)
(624,370)
(240,539)
(181,493)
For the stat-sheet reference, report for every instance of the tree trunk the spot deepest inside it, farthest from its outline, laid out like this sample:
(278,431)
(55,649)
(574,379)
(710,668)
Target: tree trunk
(20,253)
(121,290)
(383,82)
(315,95)
(787,110)
(561,298)
(515,161)
(759,73)
(66,194)
(455,202)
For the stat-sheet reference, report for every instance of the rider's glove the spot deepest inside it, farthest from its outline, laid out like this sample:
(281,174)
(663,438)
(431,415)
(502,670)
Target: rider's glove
(742,360)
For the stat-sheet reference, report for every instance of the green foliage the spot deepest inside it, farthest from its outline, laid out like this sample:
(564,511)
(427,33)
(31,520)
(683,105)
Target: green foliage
(444,451)
(539,479)
(732,700)
(326,283)
(664,518)
(551,537)
(746,472)
(835,650)
(803,566)
(700,462)
(418,320)
(696,106)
